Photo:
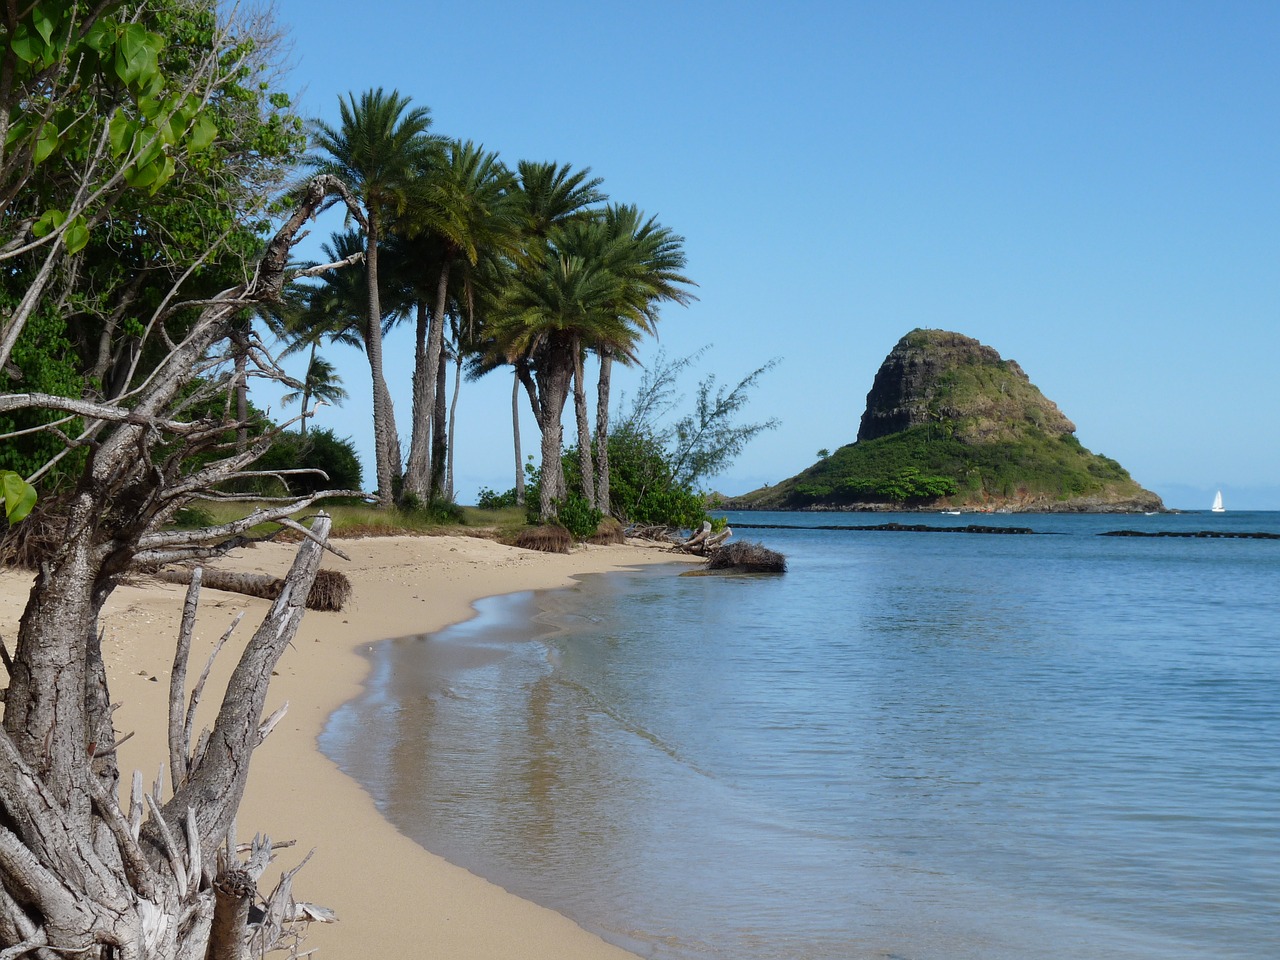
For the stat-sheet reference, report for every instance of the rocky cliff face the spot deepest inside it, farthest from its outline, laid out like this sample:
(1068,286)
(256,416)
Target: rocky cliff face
(934,376)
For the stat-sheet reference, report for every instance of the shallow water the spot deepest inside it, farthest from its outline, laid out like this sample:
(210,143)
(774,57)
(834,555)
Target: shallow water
(914,745)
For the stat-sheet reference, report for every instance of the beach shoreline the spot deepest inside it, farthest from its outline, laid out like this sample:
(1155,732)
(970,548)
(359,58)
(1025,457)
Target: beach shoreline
(392,896)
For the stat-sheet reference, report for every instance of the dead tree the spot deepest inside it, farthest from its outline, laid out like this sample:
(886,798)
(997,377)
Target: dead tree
(78,877)
(703,543)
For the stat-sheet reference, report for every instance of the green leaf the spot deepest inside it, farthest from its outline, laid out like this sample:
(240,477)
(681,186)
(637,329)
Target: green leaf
(42,23)
(134,57)
(141,175)
(18,131)
(202,133)
(19,496)
(77,235)
(51,221)
(99,38)
(24,46)
(46,143)
(122,132)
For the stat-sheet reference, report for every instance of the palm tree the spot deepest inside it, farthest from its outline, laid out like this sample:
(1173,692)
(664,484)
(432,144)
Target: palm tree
(644,259)
(377,150)
(321,383)
(549,195)
(648,259)
(465,205)
(545,314)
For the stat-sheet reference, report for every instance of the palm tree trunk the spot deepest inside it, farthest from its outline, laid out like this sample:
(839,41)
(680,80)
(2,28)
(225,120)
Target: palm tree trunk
(515,433)
(386,446)
(553,377)
(306,391)
(435,345)
(453,422)
(415,478)
(602,432)
(584,430)
(439,435)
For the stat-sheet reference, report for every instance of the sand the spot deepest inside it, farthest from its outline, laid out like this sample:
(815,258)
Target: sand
(392,897)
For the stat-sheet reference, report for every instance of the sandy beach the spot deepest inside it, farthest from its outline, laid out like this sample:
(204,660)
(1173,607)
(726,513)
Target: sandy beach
(392,897)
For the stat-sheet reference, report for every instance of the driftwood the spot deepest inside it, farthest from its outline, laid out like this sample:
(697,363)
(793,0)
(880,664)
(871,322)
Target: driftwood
(651,531)
(704,543)
(330,591)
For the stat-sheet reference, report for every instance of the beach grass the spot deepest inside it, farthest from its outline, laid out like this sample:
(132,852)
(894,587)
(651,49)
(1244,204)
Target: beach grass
(362,520)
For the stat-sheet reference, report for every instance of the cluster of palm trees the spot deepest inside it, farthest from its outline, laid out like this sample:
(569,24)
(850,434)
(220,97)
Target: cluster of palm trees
(528,269)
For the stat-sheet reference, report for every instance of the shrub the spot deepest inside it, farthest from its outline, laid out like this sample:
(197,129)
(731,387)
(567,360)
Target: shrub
(492,500)
(321,450)
(579,518)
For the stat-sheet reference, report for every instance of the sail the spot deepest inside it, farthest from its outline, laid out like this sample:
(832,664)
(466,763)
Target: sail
(1217,503)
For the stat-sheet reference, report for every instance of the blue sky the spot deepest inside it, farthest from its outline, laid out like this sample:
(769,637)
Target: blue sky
(1093,189)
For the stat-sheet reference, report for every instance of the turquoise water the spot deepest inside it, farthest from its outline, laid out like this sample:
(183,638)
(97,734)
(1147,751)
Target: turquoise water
(912,745)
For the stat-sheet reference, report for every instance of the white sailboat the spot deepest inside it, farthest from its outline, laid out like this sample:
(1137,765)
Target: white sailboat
(1217,504)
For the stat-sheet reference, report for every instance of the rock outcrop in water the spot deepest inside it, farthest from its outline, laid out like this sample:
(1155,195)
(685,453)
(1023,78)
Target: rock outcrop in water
(949,424)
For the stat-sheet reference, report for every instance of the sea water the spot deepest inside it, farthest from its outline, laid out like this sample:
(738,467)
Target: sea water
(929,746)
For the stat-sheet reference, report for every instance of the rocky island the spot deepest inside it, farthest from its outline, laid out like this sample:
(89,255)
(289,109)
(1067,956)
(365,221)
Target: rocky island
(950,425)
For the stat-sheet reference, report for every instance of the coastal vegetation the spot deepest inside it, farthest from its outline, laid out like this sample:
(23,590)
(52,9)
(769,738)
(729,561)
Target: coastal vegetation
(659,457)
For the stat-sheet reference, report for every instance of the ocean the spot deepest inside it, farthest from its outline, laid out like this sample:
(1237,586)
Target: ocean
(920,746)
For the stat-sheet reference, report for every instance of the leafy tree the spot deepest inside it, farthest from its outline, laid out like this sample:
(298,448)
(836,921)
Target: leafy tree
(74,878)
(549,195)
(376,149)
(647,259)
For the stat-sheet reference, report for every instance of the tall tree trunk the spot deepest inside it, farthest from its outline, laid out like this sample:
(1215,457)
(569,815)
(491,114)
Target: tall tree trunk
(555,372)
(453,422)
(602,432)
(515,434)
(584,430)
(306,391)
(439,427)
(386,445)
(415,477)
(435,346)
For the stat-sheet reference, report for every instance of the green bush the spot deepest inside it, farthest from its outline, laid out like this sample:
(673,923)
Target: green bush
(319,449)
(576,516)
(641,487)
(492,500)
(441,512)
